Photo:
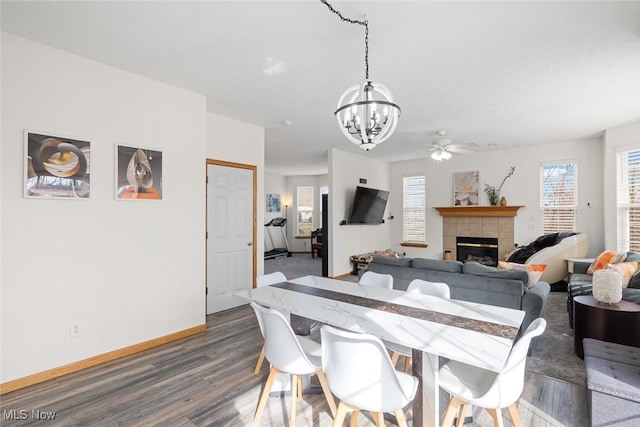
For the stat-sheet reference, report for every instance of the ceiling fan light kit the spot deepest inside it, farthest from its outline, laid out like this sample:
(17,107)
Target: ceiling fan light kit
(366,113)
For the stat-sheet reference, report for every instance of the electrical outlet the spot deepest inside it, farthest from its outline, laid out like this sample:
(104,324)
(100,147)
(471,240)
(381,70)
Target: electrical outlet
(75,329)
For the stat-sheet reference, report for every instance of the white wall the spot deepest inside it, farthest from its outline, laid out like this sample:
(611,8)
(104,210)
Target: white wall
(621,137)
(345,170)
(238,142)
(127,271)
(522,188)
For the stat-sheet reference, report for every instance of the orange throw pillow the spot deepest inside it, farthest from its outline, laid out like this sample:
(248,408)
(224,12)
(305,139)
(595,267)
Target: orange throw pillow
(624,269)
(534,271)
(605,258)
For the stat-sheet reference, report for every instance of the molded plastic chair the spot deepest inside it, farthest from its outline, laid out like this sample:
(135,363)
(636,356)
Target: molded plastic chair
(371,278)
(423,287)
(288,354)
(490,390)
(266,280)
(361,375)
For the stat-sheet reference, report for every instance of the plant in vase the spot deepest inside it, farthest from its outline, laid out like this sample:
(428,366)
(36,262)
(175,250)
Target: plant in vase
(493,192)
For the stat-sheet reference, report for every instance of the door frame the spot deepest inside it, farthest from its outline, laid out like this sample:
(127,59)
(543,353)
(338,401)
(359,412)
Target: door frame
(254,173)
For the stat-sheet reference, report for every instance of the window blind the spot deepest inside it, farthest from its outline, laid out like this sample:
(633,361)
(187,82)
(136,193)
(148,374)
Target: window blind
(304,205)
(413,208)
(628,200)
(558,197)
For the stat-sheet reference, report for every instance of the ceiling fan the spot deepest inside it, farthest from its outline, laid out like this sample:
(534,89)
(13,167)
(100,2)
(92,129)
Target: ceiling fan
(443,147)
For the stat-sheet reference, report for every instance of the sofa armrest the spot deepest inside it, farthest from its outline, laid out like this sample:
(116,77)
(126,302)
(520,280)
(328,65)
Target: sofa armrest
(581,267)
(533,303)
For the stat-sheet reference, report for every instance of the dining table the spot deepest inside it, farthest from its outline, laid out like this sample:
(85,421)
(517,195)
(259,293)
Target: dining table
(476,334)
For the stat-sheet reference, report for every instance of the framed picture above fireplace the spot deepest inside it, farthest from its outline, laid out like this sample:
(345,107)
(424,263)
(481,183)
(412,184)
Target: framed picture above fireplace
(465,188)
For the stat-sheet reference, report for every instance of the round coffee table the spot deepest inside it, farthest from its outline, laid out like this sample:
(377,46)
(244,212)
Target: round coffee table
(618,323)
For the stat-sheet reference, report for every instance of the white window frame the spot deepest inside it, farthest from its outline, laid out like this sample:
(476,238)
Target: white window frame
(628,199)
(304,209)
(414,203)
(562,207)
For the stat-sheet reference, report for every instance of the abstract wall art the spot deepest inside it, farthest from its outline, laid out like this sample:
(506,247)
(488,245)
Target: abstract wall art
(138,173)
(56,167)
(273,202)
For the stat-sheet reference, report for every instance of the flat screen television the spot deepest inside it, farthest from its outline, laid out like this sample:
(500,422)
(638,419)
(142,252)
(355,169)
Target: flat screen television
(368,206)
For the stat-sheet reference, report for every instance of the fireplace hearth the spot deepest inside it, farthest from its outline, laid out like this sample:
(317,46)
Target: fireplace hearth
(483,250)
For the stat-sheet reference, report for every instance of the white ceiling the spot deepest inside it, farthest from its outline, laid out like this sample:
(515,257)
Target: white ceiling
(507,73)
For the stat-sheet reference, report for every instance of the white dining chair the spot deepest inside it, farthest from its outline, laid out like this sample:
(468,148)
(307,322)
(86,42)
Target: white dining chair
(470,385)
(360,373)
(371,278)
(289,354)
(436,289)
(266,280)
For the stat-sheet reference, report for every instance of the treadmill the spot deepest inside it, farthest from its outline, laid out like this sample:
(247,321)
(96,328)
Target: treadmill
(277,252)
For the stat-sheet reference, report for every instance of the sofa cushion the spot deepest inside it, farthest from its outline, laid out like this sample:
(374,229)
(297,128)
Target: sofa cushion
(606,257)
(625,270)
(438,265)
(396,262)
(533,270)
(478,269)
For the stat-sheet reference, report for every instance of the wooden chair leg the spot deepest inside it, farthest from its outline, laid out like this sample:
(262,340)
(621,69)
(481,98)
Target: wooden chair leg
(515,416)
(260,360)
(407,365)
(265,393)
(379,418)
(299,386)
(354,419)
(394,357)
(343,408)
(450,413)
(496,414)
(294,399)
(400,418)
(462,413)
(327,392)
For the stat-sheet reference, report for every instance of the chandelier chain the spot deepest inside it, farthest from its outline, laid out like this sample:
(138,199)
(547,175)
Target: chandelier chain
(364,23)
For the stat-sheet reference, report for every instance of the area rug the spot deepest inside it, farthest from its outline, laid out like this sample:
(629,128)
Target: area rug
(553,354)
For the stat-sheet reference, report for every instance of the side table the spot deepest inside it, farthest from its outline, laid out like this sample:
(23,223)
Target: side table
(618,323)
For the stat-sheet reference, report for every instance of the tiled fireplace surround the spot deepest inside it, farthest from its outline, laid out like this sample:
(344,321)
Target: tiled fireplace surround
(497,222)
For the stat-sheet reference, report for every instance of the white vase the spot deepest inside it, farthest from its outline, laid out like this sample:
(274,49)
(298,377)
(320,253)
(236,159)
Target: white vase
(607,286)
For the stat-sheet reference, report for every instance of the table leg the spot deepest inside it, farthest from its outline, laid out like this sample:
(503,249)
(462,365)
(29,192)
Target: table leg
(426,405)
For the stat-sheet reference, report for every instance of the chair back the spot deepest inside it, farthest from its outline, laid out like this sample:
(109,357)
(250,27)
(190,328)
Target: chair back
(508,385)
(281,346)
(359,371)
(424,287)
(371,278)
(270,279)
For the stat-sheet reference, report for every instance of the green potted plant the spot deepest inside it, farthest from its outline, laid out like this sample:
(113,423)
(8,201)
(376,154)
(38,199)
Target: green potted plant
(493,192)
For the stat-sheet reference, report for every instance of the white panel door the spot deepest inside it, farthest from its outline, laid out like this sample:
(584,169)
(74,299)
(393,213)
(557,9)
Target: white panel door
(230,235)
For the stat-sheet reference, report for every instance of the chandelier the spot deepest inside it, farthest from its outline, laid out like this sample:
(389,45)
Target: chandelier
(366,112)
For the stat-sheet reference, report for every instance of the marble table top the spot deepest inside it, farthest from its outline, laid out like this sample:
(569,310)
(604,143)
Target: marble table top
(477,334)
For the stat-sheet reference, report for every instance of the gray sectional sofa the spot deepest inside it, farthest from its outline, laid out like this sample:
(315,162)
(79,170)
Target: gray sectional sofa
(470,282)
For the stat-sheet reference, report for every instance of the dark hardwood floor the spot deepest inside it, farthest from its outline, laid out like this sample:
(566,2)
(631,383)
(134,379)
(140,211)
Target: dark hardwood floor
(208,380)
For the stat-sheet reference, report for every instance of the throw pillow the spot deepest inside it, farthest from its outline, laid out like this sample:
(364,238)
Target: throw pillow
(478,269)
(606,257)
(534,270)
(625,269)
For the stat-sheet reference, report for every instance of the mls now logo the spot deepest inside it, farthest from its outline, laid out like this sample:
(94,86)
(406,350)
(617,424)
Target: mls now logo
(23,414)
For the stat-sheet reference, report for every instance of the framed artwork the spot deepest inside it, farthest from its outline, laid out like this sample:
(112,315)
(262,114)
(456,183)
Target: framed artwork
(56,167)
(273,202)
(465,188)
(138,173)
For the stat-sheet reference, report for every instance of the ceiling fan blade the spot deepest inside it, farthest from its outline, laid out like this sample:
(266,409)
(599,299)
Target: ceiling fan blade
(459,150)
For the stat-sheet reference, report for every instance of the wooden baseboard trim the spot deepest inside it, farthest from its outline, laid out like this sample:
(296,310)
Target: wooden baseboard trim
(50,374)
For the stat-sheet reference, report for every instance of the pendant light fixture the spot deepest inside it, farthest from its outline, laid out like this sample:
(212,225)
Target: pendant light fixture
(366,112)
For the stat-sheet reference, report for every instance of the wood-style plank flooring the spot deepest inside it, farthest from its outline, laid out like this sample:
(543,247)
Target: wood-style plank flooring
(208,380)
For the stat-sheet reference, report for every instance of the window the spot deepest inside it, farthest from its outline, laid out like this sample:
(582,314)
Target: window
(558,196)
(413,209)
(628,204)
(304,210)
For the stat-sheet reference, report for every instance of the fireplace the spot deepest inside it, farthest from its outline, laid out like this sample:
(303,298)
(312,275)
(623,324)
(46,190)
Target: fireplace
(483,250)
